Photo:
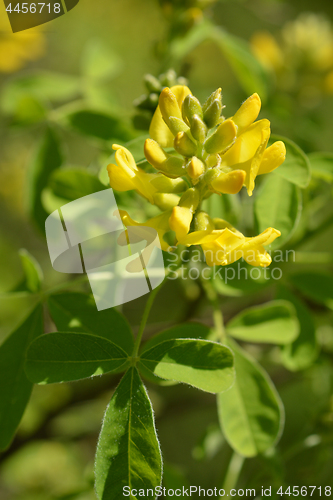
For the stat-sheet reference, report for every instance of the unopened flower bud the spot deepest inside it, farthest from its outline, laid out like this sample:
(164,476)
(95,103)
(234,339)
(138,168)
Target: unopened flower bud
(164,184)
(222,138)
(213,113)
(152,83)
(190,199)
(170,109)
(202,222)
(184,145)
(191,106)
(198,129)
(195,168)
(172,166)
(166,201)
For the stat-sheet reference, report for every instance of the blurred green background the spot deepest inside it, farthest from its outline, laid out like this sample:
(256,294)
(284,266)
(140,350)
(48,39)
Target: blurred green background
(52,455)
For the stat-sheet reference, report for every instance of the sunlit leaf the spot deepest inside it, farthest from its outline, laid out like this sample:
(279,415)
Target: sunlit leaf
(275,322)
(32,270)
(97,124)
(77,312)
(296,167)
(251,413)
(278,204)
(128,452)
(68,184)
(203,364)
(62,357)
(42,84)
(15,388)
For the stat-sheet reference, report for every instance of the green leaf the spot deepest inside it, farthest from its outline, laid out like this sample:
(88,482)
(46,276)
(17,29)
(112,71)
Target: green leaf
(251,412)
(64,356)
(68,184)
(32,270)
(275,323)
(200,363)
(278,204)
(182,331)
(99,62)
(14,309)
(236,280)
(322,165)
(135,147)
(247,68)
(42,84)
(317,286)
(296,167)
(301,353)
(128,452)
(15,388)
(77,312)
(97,124)
(29,110)
(47,158)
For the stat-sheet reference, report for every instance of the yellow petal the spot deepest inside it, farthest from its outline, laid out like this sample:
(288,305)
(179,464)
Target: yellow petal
(253,249)
(120,180)
(222,138)
(180,221)
(272,157)
(229,183)
(247,113)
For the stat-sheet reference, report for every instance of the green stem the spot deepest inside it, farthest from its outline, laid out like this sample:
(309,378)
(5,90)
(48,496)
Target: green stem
(144,319)
(217,312)
(233,472)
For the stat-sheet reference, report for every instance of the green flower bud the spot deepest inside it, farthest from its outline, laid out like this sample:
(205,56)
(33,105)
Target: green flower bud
(171,166)
(191,106)
(152,83)
(214,95)
(169,78)
(166,185)
(198,129)
(213,113)
(195,168)
(190,199)
(202,222)
(177,125)
(165,201)
(184,145)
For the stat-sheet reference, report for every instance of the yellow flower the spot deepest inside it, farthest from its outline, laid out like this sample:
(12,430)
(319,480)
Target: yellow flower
(17,49)
(225,246)
(159,223)
(125,175)
(216,155)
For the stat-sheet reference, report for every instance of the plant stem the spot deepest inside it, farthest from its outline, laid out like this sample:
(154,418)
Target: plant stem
(233,472)
(144,319)
(217,312)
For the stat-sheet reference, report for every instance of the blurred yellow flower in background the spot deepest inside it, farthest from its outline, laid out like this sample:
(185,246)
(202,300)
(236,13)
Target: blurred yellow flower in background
(18,49)
(301,56)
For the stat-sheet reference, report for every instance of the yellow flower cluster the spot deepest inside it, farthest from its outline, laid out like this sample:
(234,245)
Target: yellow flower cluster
(17,49)
(304,52)
(210,154)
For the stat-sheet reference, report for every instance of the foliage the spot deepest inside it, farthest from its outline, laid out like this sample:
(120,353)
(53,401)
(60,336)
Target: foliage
(220,363)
